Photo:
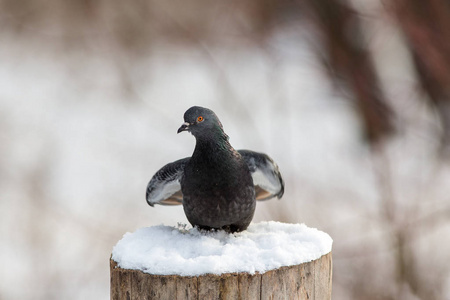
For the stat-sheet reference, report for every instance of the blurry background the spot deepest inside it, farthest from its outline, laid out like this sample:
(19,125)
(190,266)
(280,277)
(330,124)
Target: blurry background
(350,97)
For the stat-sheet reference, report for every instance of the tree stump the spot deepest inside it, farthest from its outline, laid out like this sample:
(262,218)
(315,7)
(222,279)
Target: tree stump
(311,280)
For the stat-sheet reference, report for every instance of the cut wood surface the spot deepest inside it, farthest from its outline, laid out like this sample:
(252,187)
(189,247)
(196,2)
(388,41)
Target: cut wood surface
(311,280)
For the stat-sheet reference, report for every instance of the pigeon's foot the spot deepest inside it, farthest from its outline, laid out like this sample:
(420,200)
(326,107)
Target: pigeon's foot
(227,228)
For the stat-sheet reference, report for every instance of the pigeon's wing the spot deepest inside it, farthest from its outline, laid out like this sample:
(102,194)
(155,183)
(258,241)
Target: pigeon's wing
(265,173)
(164,187)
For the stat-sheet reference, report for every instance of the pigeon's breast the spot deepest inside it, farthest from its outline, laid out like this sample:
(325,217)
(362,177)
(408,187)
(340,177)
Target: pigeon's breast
(217,194)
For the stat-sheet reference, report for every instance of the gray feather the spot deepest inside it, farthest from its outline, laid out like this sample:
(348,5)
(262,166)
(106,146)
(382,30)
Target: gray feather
(164,187)
(265,173)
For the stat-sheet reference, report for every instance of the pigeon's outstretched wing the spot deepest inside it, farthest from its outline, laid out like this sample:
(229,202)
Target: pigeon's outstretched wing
(164,187)
(266,176)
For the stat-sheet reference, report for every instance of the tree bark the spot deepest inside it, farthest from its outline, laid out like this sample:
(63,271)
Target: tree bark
(310,281)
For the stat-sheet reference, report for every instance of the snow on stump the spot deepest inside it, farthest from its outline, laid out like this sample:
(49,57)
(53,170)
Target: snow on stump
(269,260)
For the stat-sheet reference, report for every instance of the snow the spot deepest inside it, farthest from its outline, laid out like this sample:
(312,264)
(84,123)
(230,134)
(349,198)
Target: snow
(167,250)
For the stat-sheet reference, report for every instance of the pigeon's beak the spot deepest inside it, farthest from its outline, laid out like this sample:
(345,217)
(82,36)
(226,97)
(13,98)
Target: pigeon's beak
(183,127)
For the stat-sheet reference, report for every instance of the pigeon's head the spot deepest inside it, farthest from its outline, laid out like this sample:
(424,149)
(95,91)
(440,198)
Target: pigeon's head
(201,121)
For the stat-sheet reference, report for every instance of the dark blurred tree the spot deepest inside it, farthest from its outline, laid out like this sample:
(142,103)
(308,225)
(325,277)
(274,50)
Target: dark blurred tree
(426,26)
(348,60)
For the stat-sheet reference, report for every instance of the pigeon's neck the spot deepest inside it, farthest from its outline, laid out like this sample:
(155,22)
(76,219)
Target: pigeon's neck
(207,145)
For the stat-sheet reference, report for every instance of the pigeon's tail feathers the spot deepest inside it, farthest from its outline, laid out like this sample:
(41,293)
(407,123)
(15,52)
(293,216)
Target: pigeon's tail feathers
(265,173)
(164,187)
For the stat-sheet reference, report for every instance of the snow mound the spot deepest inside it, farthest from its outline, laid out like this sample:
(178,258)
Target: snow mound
(166,250)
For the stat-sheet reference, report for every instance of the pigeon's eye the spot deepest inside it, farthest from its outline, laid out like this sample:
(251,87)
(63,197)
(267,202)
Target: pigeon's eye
(200,119)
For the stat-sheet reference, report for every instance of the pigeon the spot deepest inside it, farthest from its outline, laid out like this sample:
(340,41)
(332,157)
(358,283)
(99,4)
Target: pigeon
(218,186)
